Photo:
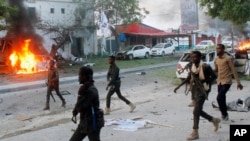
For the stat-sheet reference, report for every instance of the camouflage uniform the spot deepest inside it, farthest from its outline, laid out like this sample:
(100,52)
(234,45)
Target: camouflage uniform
(115,84)
(53,84)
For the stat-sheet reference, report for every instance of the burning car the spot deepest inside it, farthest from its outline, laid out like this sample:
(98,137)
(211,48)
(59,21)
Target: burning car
(18,58)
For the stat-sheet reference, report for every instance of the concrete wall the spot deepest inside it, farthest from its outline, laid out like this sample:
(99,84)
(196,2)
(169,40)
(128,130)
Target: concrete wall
(51,11)
(64,16)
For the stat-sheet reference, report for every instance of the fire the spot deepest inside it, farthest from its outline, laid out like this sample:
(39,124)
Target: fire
(24,60)
(245,45)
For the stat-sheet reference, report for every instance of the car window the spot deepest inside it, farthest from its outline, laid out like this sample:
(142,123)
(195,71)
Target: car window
(203,57)
(168,45)
(203,43)
(211,56)
(158,46)
(186,57)
(127,48)
(137,47)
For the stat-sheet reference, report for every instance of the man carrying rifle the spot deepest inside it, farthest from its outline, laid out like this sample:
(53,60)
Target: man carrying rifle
(53,84)
(200,78)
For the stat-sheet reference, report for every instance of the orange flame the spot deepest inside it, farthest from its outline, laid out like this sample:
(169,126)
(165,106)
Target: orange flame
(244,45)
(24,60)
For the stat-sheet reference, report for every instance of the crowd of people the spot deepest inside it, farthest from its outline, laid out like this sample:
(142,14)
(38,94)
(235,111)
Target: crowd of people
(200,78)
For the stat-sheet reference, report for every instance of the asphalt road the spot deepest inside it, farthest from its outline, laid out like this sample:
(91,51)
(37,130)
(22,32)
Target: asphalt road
(67,80)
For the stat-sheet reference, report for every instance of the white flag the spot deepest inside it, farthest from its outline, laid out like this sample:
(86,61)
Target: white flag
(104,23)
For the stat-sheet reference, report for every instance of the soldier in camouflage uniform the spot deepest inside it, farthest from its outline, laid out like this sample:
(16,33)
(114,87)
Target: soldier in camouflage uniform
(114,84)
(53,84)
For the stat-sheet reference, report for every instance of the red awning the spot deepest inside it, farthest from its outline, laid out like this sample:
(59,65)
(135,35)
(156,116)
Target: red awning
(141,29)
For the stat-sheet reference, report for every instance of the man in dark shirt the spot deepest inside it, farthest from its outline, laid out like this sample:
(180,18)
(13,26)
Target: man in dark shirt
(53,84)
(114,84)
(86,105)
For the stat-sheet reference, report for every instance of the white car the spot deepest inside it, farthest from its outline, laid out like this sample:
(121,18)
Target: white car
(207,57)
(205,44)
(229,43)
(162,49)
(135,51)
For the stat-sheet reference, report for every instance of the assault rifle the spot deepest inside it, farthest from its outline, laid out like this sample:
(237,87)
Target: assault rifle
(46,82)
(187,68)
(199,85)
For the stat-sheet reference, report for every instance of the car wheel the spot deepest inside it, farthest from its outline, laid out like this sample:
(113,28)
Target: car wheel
(147,55)
(130,57)
(163,53)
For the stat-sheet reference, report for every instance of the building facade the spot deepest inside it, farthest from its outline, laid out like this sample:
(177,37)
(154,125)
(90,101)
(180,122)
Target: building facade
(74,16)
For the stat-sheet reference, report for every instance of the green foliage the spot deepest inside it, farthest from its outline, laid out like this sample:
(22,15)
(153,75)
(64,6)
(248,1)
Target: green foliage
(236,11)
(6,12)
(127,11)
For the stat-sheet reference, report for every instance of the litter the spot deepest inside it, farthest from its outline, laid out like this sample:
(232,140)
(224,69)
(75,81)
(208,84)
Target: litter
(132,124)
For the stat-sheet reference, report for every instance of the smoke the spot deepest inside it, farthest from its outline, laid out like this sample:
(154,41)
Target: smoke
(23,29)
(163,14)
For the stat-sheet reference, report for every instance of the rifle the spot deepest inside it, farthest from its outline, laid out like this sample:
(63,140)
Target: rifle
(199,85)
(46,82)
(187,66)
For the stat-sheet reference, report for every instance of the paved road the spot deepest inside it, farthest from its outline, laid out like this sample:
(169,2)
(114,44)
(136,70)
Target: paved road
(66,80)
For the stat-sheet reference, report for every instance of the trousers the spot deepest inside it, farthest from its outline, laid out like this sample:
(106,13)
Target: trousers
(112,90)
(221,98)
(198,106)
(49,91)
(79,135)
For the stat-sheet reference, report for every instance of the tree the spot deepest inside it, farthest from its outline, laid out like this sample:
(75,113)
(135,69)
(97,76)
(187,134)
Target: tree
(236,11)
(5,12)
(120,12)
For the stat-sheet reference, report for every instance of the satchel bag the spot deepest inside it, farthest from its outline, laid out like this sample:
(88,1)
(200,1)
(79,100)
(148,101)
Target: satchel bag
(98,118)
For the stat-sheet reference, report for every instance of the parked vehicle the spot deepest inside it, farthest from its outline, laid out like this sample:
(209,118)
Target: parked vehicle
(205,44)
(208,57)
(162,49)
(229,42)
(135,51)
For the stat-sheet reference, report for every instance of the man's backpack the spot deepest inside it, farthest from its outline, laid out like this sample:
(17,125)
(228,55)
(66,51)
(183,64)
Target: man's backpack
(98,118)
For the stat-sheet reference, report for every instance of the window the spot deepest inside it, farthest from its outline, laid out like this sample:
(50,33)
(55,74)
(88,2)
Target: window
(52,11)
(211,56)
(136,48)
(32,13)
(62,10)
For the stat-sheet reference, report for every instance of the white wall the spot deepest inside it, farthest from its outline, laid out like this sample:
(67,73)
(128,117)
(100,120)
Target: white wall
(67,19)
(43,11)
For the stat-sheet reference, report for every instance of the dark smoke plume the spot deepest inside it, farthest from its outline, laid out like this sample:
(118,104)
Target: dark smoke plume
(23,29)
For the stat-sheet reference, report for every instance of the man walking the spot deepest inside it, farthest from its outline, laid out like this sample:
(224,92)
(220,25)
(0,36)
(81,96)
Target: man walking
(225,68)
(87,104)
(200,78)
(53,84)
(114,84)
